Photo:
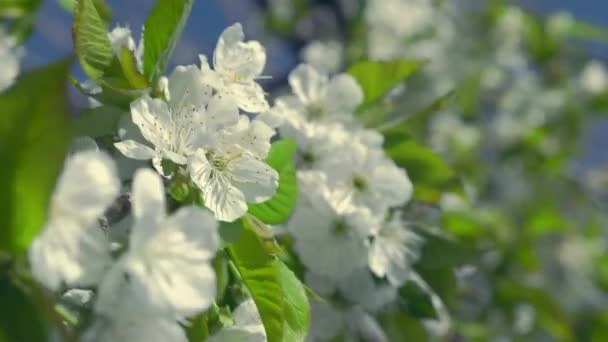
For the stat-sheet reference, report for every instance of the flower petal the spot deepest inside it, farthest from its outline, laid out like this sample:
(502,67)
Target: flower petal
(254,178)
(186,88)
(255,138)
(134,150)
(68,253)
(307,83)
(249,96)
(148,205)
(233,56)
(343,95)
(83,172)
(220,196)
(152,116)
(171,272)
(221,112)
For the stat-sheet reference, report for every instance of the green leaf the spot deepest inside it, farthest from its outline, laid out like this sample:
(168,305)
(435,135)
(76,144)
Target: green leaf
(34,137)
(400,327)
(97,122)
(430,174)
(20,319)
(442,252)
(416,302)
(67,5)
(162,30)
(377,78)
(18,8)
(278,294)
(91,42)
(277,209)
(128,62)
(400,130)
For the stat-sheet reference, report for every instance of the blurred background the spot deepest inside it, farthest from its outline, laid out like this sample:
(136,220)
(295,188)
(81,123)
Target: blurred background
(533,255)
(51,38)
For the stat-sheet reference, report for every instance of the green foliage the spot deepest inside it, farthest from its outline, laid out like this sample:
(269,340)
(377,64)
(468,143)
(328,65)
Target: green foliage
(128,63)
(430,174)
(91,42)
(378,78)
(277,209)
(97,122)
(405,128)
(34,136)
(416,302)
(278,294)
(162,30)
(18,8)
(400,327)
(20,319)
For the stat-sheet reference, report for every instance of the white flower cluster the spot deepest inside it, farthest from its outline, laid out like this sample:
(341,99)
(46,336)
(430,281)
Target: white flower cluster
(149,283)
(9,59)
(162,274)
(347,228)
(198,127)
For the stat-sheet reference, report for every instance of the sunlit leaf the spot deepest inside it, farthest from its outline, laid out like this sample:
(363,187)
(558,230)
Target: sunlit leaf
(162,30)
(34,136)
(277,209)
(377,78)
(278,294)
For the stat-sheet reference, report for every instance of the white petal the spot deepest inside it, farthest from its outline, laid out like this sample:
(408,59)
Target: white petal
(233,56)
(254,178)
(219,195)
(256,138)
(87,186)
(170,273)
(194,229)
(68,253)
(148,205)
(392,184)
(343,95)
(249,96)
(153,118)
(221,112)
(135,150)
(307,83)
(186,88)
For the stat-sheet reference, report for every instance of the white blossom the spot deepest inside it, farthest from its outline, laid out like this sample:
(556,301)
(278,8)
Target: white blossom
(325,56)
(72,249)
(177,128)
(393,251)
(594,78)
(166,268)
(231,172)
(368,176)
(331,235)
(236,66)
(320,98)
(121,38)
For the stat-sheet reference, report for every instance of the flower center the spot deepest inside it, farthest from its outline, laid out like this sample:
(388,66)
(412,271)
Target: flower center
(340,228)
(218,163)
(315,111)
(360,183)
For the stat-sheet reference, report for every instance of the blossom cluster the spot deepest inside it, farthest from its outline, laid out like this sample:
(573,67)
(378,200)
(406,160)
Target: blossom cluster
(348,230)
(156,273)
(140,296)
